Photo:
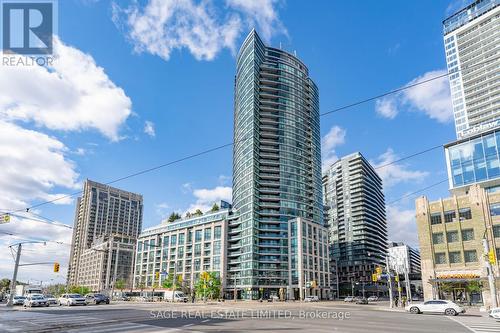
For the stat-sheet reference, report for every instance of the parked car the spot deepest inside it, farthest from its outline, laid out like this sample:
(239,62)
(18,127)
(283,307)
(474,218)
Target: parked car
(273,298)
(361,300)
(50,299)
(96,298)
(436,306)
(372,298)
(349,299)
(72,299)
(311,299)
(18,300)
(35,300)
(494,313)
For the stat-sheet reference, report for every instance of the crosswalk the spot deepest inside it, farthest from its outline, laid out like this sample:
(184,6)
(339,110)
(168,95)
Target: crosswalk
(478,324)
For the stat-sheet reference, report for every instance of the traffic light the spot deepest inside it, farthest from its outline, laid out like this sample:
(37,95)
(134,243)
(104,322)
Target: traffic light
(378,269)
(491,257)
(56,267)
(396,278)
(157,275)
(374,277)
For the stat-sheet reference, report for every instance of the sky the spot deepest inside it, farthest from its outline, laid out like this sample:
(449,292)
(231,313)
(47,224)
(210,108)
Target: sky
(136,84)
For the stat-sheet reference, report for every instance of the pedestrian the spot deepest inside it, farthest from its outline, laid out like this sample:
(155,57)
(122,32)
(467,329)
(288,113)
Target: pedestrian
(404,301)
(396,302)
(192,297)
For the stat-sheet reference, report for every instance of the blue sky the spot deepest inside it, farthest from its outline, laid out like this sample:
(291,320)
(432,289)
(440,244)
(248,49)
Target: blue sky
(134,89)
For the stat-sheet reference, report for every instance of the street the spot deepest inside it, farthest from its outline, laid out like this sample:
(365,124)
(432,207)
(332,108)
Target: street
(235,317)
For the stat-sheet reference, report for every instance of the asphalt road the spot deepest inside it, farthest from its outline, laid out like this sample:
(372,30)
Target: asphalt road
(234,317)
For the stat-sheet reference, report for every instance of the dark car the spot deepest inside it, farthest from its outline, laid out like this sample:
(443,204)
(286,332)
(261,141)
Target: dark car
(96,299)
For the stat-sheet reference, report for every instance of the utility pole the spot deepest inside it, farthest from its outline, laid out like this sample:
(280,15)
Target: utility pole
(389,281)
(396,277)
(407,281)
(491,277)
(14,278)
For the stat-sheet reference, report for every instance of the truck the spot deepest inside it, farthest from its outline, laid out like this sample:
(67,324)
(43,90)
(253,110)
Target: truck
(26,290)
(178,296)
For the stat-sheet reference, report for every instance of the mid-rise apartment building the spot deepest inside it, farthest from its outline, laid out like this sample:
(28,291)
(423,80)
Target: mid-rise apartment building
(403,257)
(106,219)
(451,233)
(356,219)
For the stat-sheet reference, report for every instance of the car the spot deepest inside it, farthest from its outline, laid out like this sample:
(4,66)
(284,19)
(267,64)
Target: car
(436,306)
(35,300)
(372,298)
(72,299)
(494,313)
(311,298)
(349,299)
(18,300)
(50,299)
(96,298)
(361,300)
(273,298)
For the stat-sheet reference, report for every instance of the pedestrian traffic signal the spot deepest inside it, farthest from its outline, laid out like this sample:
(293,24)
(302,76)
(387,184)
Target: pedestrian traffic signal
(56,267)
(491,257)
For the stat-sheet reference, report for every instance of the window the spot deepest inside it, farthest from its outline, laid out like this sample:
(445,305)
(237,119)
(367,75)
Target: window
(440,258)
(455,257)
(495,209)
(173,240)
(449,216)
(181,239)
(197,250)
(197,236)
(464,214)
(437,238)
(470,256)
(435,218)
(496,231)
(217,232)
(208,234)
(467,234)
(452,236)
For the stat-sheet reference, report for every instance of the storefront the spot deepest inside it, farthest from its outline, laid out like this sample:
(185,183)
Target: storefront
(461,288)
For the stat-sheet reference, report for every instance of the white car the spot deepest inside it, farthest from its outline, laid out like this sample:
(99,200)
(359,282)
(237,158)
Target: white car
(72,299)
(372,299)
(50,299)
(35,300)
(494,313)
(311,299)
(349,299)
(436,306)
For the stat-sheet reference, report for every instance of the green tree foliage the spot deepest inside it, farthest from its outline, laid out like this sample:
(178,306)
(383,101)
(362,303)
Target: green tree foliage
(173,217)
(120,284)
(215,208)
(198,213)
(208,286)
(56,289)
(79,290)
(473,287)
(4,285)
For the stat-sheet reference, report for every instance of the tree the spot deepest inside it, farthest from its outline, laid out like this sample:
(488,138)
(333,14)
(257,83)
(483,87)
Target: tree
(208,285)
(120,285)
(4,285)
(82,290)
(473,287)
(56,289)
(188,215)
(174,216)
(198,212)
(168,283)
(215,208)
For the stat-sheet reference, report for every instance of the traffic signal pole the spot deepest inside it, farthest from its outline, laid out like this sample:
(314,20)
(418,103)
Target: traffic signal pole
(14,277)
(491,277)
(389,281)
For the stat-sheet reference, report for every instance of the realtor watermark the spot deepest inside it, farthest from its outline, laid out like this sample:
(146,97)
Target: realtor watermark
(27,32)
(251,314)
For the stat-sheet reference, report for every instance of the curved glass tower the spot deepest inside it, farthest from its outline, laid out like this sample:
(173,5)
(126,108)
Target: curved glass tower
(276,166)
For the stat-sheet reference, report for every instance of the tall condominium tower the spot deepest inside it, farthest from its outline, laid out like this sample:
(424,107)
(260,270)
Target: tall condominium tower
(107,223)
(356,218)
(472,53)
(276,170)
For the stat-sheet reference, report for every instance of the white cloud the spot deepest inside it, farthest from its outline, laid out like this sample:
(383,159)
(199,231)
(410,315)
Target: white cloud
(386,108)
(74,94)
(397,172)
(32,165)
(431,98)
(149,128)
(162,209)
(205,198)
(162,26)
(50,252)
(225,180)
(334,138)
(402,225)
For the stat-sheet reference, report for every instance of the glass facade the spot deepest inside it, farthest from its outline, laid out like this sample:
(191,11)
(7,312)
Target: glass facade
(276,163)
(475,160)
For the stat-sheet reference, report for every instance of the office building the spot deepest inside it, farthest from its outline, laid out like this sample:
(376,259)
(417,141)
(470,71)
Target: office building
(107,222)
(356,219)
(471,45)
(184,248)
(451,233)
(276,170)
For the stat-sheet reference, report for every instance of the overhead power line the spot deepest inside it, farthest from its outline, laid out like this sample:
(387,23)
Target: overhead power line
(409,86)
(417,191)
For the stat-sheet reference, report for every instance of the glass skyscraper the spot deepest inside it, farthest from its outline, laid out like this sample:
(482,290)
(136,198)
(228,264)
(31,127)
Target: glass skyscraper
(276,166)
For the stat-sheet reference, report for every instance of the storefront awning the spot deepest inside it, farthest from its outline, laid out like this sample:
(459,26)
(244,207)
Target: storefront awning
(456,280)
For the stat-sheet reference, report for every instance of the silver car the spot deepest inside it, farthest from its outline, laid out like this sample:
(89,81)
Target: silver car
(18,300)
(72,299)
(35,300)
